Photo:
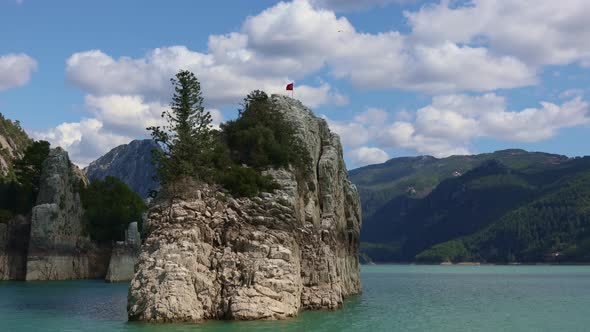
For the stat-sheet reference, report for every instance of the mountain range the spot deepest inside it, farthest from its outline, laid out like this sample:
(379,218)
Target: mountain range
(506,206)
(130,163)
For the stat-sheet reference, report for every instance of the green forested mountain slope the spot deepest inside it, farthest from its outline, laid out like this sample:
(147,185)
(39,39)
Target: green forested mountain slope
(471,207)
(553,227)
(417,176)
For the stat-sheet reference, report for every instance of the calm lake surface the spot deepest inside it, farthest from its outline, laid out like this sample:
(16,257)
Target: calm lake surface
(395,298)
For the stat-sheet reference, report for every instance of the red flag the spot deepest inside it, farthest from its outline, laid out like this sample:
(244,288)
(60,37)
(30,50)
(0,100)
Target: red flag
(290,87)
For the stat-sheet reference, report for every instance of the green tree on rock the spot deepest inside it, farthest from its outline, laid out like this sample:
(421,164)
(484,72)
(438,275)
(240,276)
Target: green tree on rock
(186,138)
(109,208)
(28,169)
(18,196)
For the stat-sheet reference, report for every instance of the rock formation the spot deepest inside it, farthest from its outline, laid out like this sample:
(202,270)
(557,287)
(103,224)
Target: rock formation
(51,243)
(14,243)
(13,142)
(58,249)
(124,256)
(130,163)
(210,256)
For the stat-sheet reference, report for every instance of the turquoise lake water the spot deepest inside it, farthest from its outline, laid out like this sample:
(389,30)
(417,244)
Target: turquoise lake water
(395,298)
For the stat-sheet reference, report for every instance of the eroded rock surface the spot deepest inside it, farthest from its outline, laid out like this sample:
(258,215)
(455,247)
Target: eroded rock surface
(13,248)
(58,248)
(130,163)
(210,256)
(124,256)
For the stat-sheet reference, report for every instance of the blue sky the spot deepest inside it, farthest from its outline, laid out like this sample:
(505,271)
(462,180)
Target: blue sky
(392,77)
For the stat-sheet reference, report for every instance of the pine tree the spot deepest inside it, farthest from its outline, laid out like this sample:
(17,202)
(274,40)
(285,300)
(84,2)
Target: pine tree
(28,169)
(186,138)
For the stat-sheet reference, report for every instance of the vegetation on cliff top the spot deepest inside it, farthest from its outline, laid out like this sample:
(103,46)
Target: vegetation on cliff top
(28,169)
(19,181)
(18,141)
(109,207)
(19,194)
(234,156)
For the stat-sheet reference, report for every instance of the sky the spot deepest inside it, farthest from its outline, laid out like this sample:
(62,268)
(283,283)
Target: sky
(392,77)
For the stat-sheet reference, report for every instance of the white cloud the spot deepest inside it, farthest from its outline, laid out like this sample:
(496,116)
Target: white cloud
(351,134)
(535,124)
(351,5)
(117,120)
(450,124)
(360,131)
(222,84)
(290,41)
(310,38)
(403,115)
(83,140)
(372,116)
(127,115)
(312,96)
(571,93)
(478,45)
(16,70)
(367,155)
(538,32)
(405,135)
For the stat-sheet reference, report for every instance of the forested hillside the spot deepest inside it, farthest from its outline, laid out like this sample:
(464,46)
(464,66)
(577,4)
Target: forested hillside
(13,142)
(553,227)
(513,206)
(418,176)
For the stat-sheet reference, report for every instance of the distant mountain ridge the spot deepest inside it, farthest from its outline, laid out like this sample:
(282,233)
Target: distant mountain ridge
(506,206)
(130,163)
(378,184)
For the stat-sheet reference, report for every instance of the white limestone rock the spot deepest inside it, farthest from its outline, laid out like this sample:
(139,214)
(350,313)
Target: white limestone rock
(58,247)
(210,256)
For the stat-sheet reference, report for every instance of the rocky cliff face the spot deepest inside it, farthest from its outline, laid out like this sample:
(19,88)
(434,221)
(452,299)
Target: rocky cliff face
(124,256)
(13,142)
(130,163)
(14,243)
(210,256)
(58,249)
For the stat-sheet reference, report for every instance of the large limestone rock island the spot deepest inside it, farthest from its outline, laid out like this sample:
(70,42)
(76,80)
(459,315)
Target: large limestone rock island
(211,256)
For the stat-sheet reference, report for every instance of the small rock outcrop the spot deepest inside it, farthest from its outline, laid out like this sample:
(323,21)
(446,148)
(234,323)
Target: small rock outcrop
(58,248)
(211,256)
(124,256)
(131,163)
